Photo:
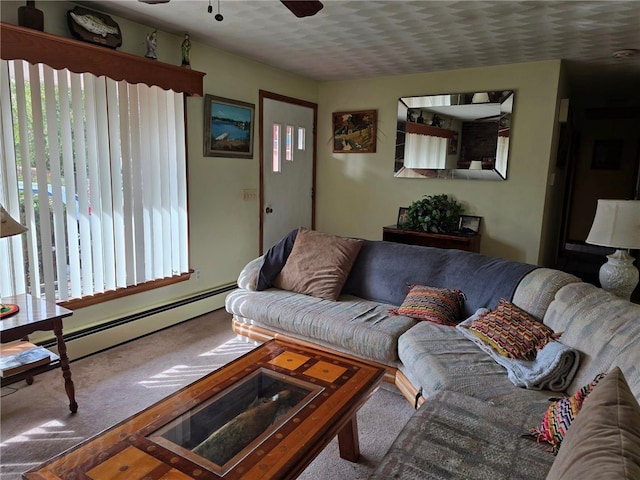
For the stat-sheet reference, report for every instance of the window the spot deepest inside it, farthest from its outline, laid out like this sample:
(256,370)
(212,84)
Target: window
(289,144)
(96,169)
(276,166)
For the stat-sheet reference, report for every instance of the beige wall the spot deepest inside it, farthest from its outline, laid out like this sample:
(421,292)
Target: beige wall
(357,194)
(223,227)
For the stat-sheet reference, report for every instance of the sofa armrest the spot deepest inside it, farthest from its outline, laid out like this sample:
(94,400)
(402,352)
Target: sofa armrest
(249,275)
(538,288)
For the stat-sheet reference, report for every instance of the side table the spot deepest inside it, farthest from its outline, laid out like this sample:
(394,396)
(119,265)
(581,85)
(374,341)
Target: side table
(470,243)
(38,315)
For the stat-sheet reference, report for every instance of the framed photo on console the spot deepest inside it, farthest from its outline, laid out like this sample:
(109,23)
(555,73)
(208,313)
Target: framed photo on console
(403,212)
(469,224)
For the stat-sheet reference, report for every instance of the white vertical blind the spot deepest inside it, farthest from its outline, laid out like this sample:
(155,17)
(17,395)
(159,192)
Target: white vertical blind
(98,168)
(425,151)
(502,154)
(11,247)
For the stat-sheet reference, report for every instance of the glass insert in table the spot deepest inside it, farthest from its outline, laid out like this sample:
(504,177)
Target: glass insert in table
(220,432)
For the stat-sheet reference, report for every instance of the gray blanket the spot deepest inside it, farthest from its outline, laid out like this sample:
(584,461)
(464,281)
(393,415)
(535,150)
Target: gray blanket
(553,368)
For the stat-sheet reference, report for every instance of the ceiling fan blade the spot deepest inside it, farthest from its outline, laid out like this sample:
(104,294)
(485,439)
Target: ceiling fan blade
(153,2)
(303,8)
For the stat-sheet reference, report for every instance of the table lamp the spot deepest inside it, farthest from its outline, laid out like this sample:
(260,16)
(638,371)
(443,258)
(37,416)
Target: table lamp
(617,224)
(8,227)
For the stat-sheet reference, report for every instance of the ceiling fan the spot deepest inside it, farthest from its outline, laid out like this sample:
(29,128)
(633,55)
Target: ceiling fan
(300,8)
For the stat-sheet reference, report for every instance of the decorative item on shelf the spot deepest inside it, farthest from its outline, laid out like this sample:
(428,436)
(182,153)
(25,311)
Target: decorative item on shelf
(434,214)
(402,217)
(617,224)
(436,121)
(8,228)
(94,27)
(152,45)
(29,16)
(186,49)
(469,224)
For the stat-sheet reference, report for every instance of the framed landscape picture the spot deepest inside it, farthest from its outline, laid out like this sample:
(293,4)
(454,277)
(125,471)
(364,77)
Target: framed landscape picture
(228,127)
(355,132)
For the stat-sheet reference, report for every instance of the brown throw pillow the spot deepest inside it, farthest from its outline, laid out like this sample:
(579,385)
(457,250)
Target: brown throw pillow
(512,332)
(318,264)
(604,440)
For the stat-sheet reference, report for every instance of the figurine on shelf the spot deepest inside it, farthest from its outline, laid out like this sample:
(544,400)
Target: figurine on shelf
(29,16)
(186,47)
(151,45)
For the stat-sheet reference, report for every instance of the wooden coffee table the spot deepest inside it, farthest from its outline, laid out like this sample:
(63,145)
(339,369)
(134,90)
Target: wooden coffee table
(267,414)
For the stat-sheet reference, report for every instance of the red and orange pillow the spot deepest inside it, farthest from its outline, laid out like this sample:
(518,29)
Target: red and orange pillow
(431,304)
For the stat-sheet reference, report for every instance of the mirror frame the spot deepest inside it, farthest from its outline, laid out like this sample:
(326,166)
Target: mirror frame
(455,109)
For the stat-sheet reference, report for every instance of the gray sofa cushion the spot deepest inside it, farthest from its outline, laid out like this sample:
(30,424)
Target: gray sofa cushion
(454,436)
(384,270)
(538,288)
(605,328)
(354,325)
(438,357)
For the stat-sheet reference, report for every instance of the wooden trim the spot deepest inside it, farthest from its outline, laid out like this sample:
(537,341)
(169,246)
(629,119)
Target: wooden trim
(263,334)
(61,52)
(422,129)
(123,292)
(295,101)
(408,389)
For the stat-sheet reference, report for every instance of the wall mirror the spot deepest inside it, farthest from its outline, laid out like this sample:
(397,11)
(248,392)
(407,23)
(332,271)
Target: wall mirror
(462,135)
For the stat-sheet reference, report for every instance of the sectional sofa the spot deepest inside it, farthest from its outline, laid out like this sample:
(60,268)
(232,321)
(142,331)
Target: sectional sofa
(474,410)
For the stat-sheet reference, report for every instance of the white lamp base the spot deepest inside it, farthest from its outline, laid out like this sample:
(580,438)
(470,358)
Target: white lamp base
(618,275)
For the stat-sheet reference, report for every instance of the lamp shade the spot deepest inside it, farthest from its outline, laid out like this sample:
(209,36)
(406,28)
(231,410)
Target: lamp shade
(8,226)
(475,165)
(616,224)
(480,97)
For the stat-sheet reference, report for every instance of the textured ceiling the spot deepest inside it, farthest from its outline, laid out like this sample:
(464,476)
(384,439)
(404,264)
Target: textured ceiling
(367,38)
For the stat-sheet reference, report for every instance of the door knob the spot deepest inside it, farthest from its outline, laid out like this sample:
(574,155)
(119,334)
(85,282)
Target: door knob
(268,210)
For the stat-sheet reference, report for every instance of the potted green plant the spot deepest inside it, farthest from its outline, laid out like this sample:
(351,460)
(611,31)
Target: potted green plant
(434,214)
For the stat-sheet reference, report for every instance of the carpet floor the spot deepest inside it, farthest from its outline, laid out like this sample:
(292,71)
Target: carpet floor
(36,423)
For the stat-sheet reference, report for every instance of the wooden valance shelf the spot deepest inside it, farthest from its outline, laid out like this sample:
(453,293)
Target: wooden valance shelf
(422,129)
(79,57)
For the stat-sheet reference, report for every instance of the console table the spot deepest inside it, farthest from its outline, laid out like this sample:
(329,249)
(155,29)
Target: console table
(38,315)
(470,243)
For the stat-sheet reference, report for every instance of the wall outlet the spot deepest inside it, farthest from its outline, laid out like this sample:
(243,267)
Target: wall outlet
(249,194)
(197,274)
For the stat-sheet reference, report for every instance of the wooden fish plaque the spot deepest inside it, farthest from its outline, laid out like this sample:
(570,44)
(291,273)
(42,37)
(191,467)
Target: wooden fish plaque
(94,27)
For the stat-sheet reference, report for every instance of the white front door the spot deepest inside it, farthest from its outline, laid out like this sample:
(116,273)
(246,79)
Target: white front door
(288,164)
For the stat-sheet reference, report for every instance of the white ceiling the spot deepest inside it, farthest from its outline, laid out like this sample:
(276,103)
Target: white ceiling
(368,38)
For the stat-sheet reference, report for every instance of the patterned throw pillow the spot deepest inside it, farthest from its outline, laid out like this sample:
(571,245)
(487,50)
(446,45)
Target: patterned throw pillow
(437,305)
(560,414)
(512,332)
